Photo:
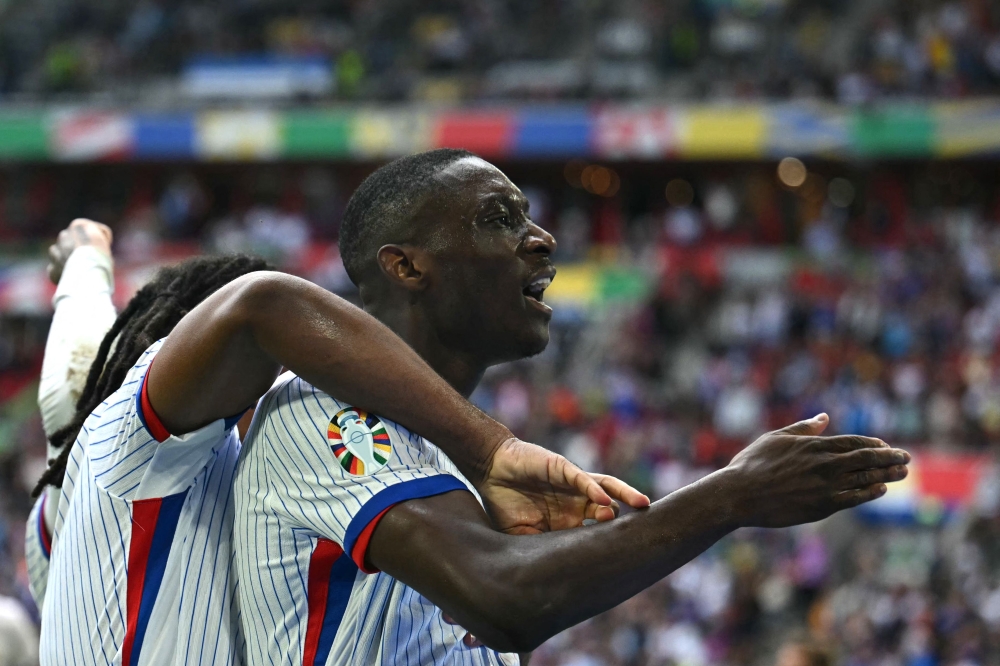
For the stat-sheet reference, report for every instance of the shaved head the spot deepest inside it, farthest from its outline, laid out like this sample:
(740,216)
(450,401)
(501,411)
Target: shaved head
(386,205)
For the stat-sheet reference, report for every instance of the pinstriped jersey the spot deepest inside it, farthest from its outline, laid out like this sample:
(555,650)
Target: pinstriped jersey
(314,477)
(37,547)
(141,561)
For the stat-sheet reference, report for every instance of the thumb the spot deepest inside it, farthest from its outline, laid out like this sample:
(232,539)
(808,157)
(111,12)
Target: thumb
(814,426)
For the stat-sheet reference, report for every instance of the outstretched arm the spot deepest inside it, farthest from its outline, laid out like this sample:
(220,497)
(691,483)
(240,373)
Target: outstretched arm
(225,354)
(514,592)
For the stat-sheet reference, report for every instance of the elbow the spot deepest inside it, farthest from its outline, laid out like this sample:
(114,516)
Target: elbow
(517,639)
(253,292)
(512,634)
(252,299)
(510,614)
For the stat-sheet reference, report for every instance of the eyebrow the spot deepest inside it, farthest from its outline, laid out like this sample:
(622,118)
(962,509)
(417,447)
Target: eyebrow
(517,201)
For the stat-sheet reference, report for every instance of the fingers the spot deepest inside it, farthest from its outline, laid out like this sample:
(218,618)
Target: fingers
(91,226)
(847,499)
(601,514)
(871,459)
(814,426)
(873,477)
(522,530)
(584,483)
(846,443)
(621,491)
(82,231)
(55,266)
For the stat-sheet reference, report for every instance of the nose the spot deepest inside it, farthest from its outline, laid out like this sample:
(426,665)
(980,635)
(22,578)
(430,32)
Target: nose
(539,241)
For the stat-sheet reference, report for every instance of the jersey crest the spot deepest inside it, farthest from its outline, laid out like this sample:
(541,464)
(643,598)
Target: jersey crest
(359,440)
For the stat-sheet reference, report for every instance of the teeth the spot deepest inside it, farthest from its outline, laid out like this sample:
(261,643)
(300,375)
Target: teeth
(541,283)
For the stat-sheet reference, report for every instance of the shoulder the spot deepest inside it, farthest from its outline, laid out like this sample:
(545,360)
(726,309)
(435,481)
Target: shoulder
(122,400)
(294,408)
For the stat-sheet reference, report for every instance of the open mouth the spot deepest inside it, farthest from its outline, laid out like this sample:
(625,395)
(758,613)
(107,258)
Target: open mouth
(536,288)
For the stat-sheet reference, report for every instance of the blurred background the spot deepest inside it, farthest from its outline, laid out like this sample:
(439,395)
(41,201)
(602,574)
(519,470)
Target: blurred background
(765,209)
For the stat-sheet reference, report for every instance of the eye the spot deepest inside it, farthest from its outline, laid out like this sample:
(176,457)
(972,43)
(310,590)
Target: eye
(509,222)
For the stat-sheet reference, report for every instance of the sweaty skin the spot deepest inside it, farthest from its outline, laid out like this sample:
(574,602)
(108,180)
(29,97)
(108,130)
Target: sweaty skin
(462,300)
(226,353)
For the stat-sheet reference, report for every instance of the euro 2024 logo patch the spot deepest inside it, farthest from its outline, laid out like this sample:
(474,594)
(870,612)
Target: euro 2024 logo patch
(359,440)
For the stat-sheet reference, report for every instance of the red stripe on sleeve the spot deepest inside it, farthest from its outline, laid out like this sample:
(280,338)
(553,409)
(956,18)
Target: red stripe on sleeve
(144,516)
(320,563)
(153,422)
(43,531)
(361,545)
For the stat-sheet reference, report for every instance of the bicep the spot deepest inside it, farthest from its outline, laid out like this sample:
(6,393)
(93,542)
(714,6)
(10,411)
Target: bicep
(430,527)
(445,548)
(210,366)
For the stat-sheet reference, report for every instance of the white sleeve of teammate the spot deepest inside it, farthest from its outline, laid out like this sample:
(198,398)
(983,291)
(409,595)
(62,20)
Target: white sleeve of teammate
(36,549)
(321,486)
(134,457)
(83,315)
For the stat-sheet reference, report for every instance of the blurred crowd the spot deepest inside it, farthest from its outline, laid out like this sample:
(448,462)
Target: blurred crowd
(810,596)
(449,50)
(870,293)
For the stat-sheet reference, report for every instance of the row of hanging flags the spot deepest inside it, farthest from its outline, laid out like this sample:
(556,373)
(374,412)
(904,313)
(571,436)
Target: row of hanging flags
(612,132)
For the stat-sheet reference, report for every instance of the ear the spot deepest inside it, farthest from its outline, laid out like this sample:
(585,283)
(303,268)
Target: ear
(405,266)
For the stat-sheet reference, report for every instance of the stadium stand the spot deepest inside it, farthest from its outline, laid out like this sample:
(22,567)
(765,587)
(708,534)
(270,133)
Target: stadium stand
(852,51)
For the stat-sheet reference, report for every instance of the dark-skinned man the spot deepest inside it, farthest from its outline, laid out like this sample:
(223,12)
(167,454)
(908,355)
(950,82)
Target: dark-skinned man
(141,568)
(358,542)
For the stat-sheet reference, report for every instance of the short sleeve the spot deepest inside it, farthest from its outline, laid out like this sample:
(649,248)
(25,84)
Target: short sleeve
(336,470)
(133,457)
(37,547)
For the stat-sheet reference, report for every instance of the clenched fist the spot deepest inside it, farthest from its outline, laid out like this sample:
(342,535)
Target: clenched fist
(80,232)
(793,475)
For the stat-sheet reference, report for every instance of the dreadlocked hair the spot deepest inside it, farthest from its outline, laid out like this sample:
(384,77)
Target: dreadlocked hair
(150,315)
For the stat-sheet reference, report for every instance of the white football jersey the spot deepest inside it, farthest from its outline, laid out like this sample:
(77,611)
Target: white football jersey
(141,569)
(37,547)
(314,478)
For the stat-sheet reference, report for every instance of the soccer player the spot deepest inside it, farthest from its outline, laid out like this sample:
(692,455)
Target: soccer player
(141,565)
(81,267)
(355,536)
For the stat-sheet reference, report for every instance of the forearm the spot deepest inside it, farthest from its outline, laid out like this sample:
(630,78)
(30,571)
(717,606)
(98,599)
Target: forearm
(562,578)
(83,314)
(514,592)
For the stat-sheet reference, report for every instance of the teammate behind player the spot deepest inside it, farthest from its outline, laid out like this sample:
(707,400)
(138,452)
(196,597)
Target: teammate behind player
(81,267)
(141,555)
(445,254)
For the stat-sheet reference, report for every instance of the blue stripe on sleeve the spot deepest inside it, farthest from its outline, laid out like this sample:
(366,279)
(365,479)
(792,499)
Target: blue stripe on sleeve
(138,402)
(342,577)
(427,486)
(156,565)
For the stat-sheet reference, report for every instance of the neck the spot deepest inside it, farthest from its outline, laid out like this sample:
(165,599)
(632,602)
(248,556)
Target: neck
(460,369)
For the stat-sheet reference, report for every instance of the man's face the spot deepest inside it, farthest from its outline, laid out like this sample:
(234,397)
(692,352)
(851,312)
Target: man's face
(491,266)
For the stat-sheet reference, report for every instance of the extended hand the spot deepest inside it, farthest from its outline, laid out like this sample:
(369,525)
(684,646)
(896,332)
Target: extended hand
(530,489)
(79,232)
(792,476)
